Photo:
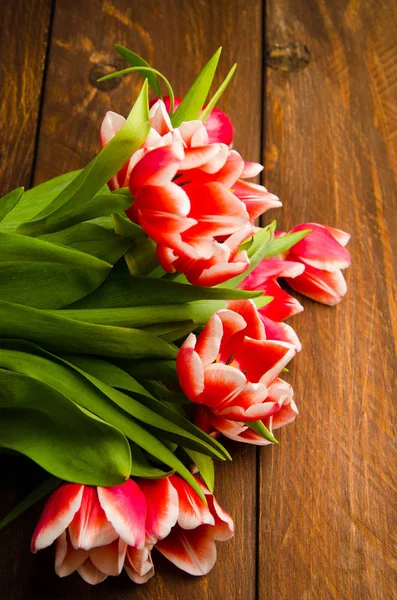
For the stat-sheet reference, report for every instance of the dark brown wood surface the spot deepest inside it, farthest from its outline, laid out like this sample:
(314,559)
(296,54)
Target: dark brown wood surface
(326,495)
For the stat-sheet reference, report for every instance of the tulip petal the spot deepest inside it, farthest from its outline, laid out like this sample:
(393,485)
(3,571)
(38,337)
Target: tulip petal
(280,332)
(190,369)
(67,559)
(159,118)
(251,169)
(217,210)
(125,508)
(162,507)
(256,198)
(193,133)
(90,527)
(264,360)
(59,511)
(157,167)
(208,342)
(271,269)
(323,286)
(224,524)
(90,573)
(221,384)
(109,559)
(192,510)
(282,306)
(192,551)
(138,565)
(219,127)
(320,249)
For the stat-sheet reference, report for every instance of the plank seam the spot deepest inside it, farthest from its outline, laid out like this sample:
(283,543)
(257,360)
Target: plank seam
(42,91)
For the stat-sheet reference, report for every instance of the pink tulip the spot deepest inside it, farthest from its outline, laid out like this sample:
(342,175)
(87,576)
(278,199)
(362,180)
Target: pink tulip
(323,254)
(232,365)
(97,531)
(279,392)
(190,545)
(190,196)
(218,125)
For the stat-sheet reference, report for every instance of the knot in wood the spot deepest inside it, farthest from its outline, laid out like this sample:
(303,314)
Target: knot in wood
(288,57)
(100,70)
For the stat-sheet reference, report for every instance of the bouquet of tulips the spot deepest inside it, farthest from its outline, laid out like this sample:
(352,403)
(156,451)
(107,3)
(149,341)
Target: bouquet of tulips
(142,319)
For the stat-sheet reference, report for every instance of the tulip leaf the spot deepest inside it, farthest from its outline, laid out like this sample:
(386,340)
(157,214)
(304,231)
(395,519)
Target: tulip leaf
(212,103)
(154,414)
(66,335)
(102,204)
(192,103)
(70,381)
(92,239)
(262,430)
(46,426)
(44,275)
(40,492)
(146,369)
(282,243)
(36,199)
(121,290)
(9,201)
(205,465)
(97,173)
(141,467)
(137,61)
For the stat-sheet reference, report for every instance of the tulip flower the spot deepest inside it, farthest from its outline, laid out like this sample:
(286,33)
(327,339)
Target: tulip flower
(189,196)
(231,366)
(324,255)
(218,125)
(96,531)
(190,545)
(280,392)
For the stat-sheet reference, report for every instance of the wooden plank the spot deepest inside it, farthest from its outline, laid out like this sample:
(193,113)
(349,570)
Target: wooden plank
(23,46)
(176,37)
(22,49)
(328,514)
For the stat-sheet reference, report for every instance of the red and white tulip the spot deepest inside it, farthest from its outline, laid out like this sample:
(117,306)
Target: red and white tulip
(232,367)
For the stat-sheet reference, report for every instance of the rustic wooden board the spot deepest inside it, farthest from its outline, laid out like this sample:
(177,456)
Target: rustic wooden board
(177,37)
(23,44)
(328,511)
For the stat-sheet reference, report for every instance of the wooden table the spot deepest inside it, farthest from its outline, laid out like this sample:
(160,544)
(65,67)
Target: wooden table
(315,100)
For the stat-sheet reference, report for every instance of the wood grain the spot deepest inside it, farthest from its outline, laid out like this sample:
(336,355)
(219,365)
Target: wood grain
(328,511)
(177,37)
(23,46)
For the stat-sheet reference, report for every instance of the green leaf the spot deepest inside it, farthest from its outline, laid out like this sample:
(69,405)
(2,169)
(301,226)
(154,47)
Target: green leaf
(205,465)
(163,370)
(156,415)
(45,488)
(46,426)
(260,429)
(61,334)
(141,467)
(256,249)
(102,204)
(142,71)
(212,103)
(43,275)
(191,105)
(120,290)
(137,61)
(92,239)
(9,201)
(36,199)
(279,245)
(68,379)
(97,173)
